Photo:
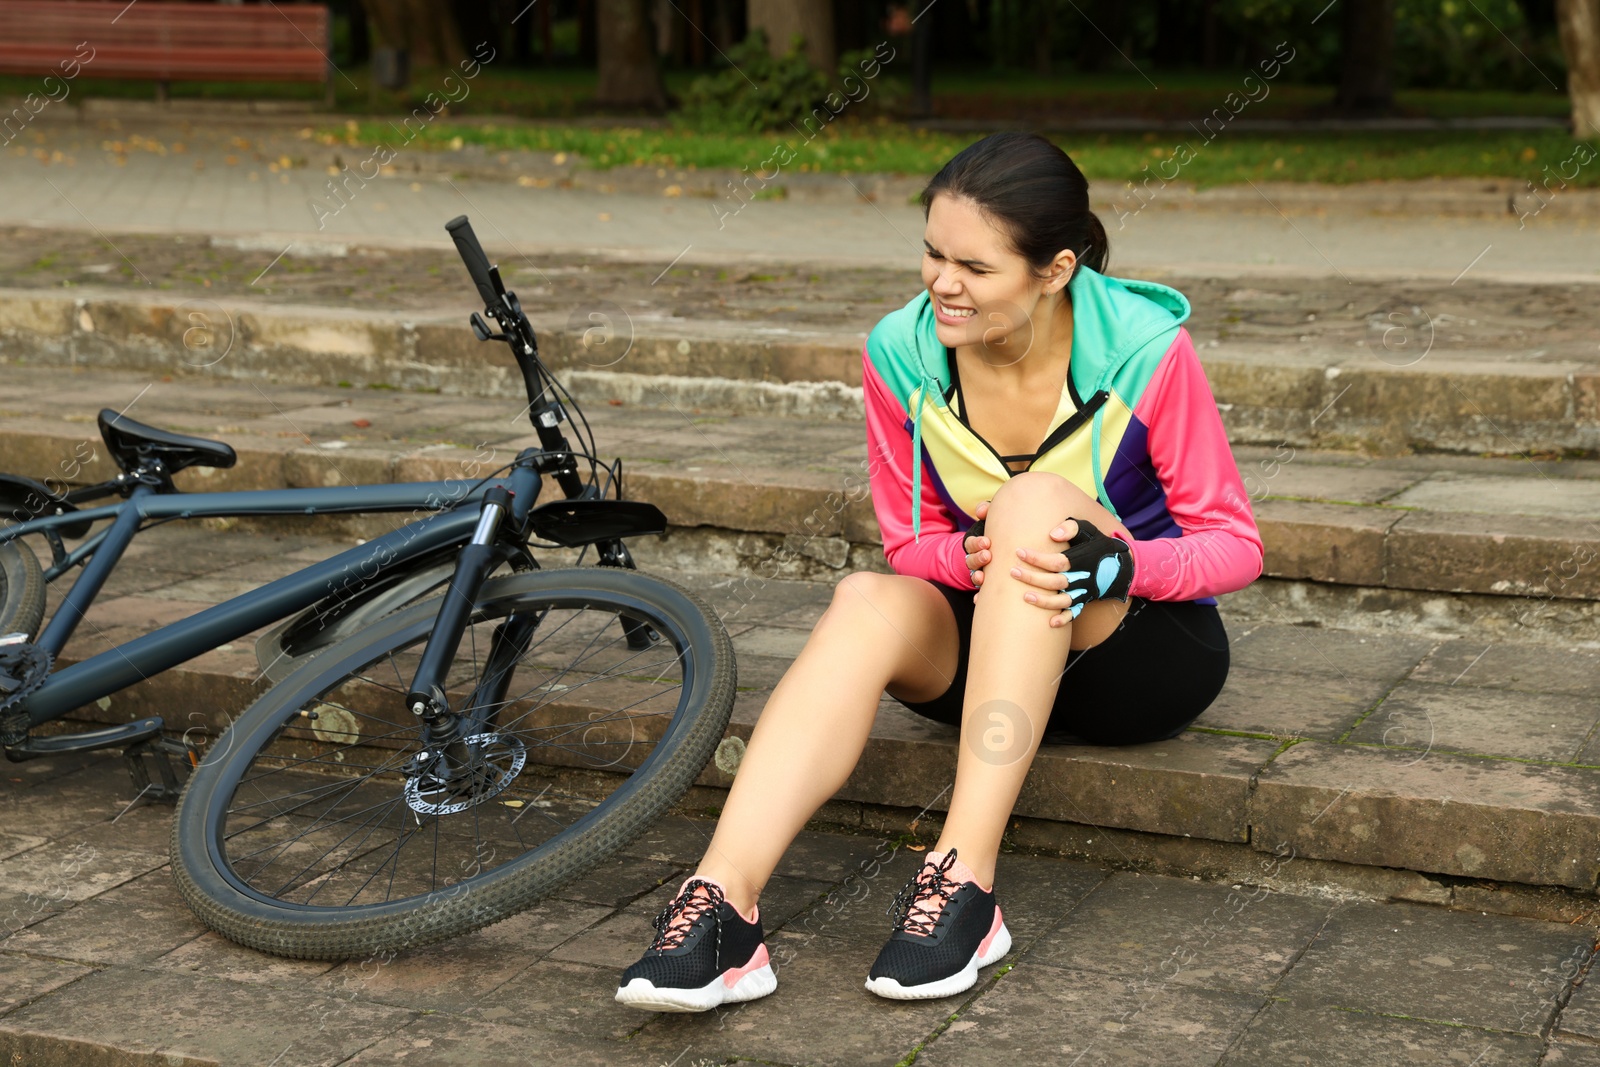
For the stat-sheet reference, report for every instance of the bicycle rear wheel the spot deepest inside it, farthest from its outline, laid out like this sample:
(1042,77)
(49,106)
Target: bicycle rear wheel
(22,594)
(314,828)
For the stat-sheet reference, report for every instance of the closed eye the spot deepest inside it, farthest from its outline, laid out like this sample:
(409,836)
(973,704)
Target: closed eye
(931,254)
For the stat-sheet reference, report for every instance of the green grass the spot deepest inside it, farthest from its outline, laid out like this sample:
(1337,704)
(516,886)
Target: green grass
(567,91)
(1231,157)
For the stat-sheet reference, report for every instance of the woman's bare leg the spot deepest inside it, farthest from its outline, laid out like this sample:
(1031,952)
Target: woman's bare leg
(881,632)
(1015,663)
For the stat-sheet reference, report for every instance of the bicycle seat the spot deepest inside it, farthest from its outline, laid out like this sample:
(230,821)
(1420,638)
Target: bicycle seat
(132,443)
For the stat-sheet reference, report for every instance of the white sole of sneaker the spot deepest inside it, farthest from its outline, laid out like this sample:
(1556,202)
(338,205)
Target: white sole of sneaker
(998,944)
(642,993)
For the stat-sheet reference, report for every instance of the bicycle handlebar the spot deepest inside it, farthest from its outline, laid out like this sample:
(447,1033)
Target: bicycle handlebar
(472,255)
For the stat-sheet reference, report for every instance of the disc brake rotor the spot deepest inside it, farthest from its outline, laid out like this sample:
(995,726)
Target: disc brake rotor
(497,759)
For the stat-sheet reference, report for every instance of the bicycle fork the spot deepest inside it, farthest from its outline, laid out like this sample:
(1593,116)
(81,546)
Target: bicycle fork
(445,757)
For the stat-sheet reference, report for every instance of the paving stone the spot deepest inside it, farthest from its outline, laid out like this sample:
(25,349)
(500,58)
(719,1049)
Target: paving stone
(23,979)
(59,871)
(455,974)
(1298,540)
(1518,555)
(214,956)
(133,923)
(1441,965)
(762,673)
(619,880)
(673,839)
(777,641)
(1158,928)
(1582,1014)
(447,1041)
(17,777)
(1036,891)
(831,857)
(1196,783)
(753,600)
(1431,811)
(573,998)
(48,1050)
(1535,726)
(1288,1033)
(15,844)
(1323,706)
(820,1014)
(145,827)
(20,911)
(856,909)
(1309,475)
(1051,1015)
(1302,649)
(97,793)
(1527,668)
(1502,495)
(188,1015)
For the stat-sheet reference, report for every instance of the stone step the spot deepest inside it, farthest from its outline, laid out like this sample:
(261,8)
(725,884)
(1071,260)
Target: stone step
(1410,762)
(1370,377)
(787,497)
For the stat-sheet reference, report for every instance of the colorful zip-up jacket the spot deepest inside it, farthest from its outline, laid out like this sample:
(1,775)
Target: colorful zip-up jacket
(1137,428)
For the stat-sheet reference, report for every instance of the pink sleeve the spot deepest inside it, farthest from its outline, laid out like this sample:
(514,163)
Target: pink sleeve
(936,553)
(1220,550)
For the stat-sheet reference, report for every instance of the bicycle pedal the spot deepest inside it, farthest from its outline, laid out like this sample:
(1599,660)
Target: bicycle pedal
(167,756)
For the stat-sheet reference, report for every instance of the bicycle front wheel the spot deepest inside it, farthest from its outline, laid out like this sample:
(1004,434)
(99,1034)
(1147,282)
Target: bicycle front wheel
(315,828)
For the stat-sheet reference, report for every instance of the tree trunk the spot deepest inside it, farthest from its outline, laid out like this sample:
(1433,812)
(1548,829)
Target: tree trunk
(630,77)
(1041,41)
(1208,37)
(1366,77)
(1578,22)
(811,19)
(424,28)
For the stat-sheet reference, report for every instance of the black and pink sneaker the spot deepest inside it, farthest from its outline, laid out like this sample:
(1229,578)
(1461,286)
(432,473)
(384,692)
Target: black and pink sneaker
(946,927)
(704,954)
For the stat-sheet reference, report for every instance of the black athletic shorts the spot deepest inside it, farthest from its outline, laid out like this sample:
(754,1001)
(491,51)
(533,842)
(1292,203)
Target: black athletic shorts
(1150,679)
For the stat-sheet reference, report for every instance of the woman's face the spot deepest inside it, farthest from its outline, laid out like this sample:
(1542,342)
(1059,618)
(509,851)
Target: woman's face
(983,291)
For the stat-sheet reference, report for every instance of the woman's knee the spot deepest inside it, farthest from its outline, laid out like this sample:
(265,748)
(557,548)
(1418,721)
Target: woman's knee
(859,589)
(1032,496)
(1037,492)
(871,597)
(877,608)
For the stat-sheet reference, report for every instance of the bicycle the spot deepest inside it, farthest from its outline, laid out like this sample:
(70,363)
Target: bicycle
(452,732)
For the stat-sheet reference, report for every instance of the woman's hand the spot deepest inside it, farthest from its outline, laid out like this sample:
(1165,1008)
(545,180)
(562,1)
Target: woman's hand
(977,546)
(1098,566)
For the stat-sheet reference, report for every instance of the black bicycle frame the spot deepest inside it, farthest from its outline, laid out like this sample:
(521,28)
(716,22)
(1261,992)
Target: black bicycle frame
(115,669)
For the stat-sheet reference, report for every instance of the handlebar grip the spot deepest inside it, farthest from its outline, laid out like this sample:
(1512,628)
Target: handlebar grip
(472,255)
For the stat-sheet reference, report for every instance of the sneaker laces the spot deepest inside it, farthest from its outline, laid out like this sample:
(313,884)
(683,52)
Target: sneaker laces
(674,922)
(919,906)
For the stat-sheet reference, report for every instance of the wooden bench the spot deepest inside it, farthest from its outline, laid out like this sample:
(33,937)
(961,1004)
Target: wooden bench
(167,41)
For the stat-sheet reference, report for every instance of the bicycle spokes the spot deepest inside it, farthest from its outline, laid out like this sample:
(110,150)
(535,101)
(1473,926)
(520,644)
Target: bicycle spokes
(352,803)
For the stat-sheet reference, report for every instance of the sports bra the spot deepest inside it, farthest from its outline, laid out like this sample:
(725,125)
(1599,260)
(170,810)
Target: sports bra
(1080,414)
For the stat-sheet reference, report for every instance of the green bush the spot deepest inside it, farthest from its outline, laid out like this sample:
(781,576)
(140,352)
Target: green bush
(757,92)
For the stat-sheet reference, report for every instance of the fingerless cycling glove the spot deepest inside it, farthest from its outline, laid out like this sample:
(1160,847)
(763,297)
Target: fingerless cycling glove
(1100,567)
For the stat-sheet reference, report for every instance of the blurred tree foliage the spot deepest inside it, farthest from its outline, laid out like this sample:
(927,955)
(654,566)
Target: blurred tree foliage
(1444,44)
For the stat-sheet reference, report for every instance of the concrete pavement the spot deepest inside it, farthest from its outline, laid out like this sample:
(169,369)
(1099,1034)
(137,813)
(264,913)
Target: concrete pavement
(273,184)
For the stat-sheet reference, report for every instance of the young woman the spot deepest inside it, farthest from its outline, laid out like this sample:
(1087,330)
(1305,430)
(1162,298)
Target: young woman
(1040,433)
